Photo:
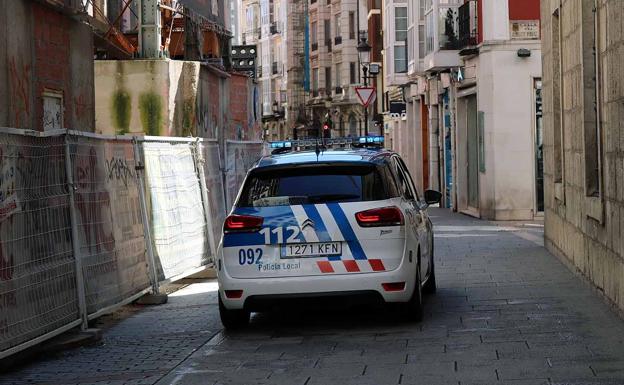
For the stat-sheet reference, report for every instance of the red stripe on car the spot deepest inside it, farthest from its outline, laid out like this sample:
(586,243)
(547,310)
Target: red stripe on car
(377,264)
(325,266)
(351,266)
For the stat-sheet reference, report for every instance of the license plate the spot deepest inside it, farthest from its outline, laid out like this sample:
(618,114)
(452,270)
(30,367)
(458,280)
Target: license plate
(323,249)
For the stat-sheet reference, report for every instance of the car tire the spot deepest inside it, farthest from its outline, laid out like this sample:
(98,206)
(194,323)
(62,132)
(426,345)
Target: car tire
(413,309)
(233,318)
(430,286)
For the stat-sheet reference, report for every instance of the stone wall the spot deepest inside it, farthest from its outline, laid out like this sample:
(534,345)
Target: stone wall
(582,227)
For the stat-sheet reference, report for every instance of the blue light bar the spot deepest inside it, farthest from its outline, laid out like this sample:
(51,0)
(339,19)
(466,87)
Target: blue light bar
(371,139)
(281,144)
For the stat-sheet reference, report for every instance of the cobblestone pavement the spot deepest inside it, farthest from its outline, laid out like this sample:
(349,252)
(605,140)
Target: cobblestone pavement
(506,312)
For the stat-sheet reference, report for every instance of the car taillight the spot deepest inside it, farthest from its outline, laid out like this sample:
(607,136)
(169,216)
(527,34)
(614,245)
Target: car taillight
(385,216)
(242,223)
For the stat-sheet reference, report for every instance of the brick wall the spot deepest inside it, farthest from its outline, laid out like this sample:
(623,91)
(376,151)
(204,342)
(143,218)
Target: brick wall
(51,59)
(585,230)
(238,106)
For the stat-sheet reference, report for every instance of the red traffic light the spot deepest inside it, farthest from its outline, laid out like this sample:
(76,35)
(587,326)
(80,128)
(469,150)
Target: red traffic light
(325,126)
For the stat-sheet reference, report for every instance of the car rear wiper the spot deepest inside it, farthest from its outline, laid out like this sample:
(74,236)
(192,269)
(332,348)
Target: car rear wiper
(331,197)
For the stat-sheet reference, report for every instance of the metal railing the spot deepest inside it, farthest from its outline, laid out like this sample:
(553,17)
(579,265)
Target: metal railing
(468,26)
(89,223)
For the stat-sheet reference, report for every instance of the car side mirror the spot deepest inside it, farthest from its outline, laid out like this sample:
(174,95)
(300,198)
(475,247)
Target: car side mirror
(432,197)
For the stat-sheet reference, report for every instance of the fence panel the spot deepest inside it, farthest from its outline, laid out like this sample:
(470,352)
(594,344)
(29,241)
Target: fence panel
(239,157)
(180,232)
(214,185)
(38,293)
(111,243)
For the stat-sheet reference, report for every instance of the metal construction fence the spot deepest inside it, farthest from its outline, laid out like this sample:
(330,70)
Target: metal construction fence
(89,223)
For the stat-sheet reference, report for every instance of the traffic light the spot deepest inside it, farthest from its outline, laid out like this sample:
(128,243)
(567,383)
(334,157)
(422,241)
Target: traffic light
(327,126)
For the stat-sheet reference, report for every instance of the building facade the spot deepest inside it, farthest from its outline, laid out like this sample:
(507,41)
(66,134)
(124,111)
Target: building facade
(446,64)
(46,66)
(583,109)
(335,71)
(264,24)
(498,158)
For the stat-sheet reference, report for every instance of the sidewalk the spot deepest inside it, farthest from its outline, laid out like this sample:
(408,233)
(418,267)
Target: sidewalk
(139,349)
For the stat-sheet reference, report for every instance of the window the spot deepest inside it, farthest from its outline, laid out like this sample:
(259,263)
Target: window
(448,28)
(52,110)
(352,73)
(315,80)
(338,75)
(327,25)
(591,102)
(351,25)
(400,23)
(400,58)
(337,25)
(430,33)
(556,95)
(320,184)
(421,10)
(421,41)
(328,80)
(402,181)
(313,33)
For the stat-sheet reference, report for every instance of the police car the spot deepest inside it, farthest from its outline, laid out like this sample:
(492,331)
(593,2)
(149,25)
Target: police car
(326,223)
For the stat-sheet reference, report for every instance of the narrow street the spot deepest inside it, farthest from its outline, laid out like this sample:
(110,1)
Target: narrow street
(506,312)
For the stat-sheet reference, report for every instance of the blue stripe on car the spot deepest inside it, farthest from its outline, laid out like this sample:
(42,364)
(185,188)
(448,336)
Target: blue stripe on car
(346,230)
(276,216)
(319,226)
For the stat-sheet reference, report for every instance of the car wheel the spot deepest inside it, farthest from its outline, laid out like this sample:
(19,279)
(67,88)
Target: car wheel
(430,286)
(232,318)
(413,309)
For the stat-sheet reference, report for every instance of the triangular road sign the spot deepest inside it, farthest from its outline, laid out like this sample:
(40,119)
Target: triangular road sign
(365,94)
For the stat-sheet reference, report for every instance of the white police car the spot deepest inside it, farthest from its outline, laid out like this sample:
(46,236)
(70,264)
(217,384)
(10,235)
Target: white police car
(328,224)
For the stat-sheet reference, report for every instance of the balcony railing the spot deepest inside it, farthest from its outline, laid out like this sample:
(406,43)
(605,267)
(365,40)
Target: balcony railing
(314,46)
(338,40)
(468,26)
(328,44)
(338,90)
(274,68)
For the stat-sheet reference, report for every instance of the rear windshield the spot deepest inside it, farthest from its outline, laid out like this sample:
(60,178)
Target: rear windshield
(317,184)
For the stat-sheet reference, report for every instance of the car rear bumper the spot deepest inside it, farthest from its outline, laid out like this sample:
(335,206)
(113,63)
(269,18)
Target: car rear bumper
(260,293)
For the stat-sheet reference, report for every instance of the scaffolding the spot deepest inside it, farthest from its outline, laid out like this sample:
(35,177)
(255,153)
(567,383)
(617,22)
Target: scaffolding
(297,64)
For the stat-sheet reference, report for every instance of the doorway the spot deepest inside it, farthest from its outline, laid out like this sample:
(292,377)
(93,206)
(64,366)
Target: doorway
(539,152)
(472,143)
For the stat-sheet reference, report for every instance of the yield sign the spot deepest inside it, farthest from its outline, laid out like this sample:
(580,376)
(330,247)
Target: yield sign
(365,94)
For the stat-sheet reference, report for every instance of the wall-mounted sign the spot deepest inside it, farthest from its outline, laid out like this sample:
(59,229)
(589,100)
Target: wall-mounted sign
(524,29)
(397,110)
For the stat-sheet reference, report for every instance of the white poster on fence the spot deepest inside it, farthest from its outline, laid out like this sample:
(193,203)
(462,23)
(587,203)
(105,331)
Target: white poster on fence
(110,230)
(240,157)
(179,229)
(214,185)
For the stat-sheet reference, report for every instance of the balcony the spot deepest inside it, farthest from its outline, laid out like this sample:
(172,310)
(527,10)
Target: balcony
(468,26)
(274,68)
(328,44)
(314,46)
(338,40)
(338,90)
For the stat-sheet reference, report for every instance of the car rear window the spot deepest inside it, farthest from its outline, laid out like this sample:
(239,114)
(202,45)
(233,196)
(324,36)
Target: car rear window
(316,184)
